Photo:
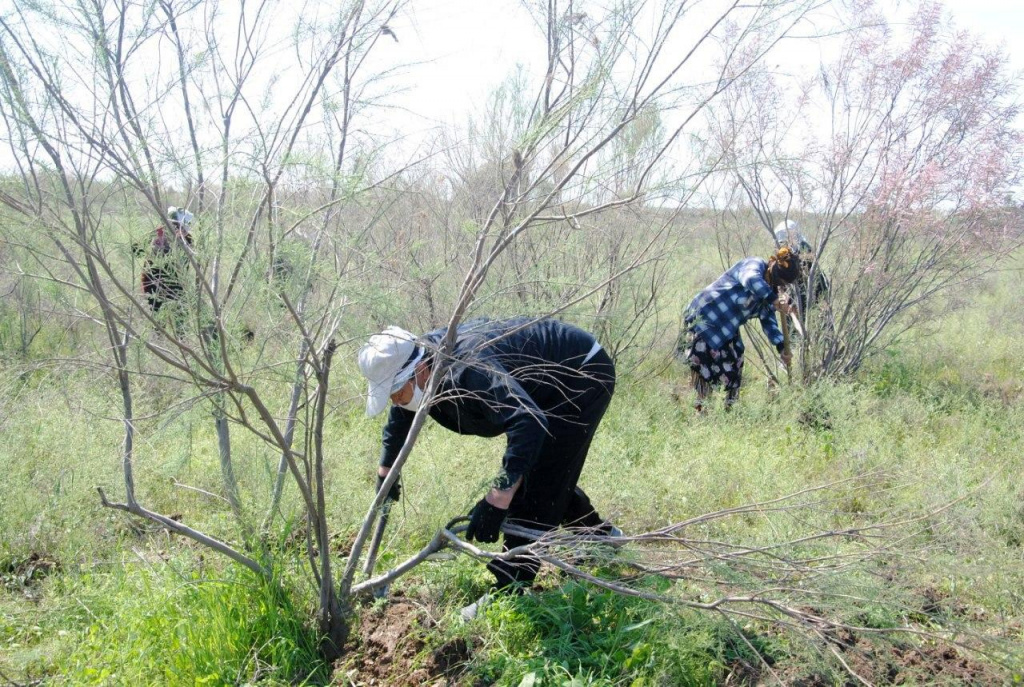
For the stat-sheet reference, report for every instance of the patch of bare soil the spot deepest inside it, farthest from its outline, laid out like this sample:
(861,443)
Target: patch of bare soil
(1007,392)
(938,604)
(388,648)
(942,665)
(24,575)
(743,672)
(887,664)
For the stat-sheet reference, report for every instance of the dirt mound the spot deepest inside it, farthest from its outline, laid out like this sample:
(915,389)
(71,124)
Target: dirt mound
(942,665)
(24,575)
(388,648)
(445,665)
(886,664)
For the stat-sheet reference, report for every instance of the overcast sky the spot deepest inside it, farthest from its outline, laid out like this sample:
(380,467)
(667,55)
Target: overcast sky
(455,52)
(463,48)
(997,20)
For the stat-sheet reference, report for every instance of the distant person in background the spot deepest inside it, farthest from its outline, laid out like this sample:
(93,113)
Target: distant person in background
(544,384)
(711,344)
(166,260)
(787,233)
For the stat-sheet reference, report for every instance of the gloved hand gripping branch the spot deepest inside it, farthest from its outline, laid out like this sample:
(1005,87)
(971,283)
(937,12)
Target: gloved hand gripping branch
(396,488)
(485,522)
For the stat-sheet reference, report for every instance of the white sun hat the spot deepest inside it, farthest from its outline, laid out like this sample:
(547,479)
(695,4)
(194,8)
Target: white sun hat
(387,361)
(182,217)
(788,233)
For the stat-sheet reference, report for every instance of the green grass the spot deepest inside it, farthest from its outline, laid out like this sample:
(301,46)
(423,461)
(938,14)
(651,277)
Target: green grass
(575,632)
(941,414)
(166,621)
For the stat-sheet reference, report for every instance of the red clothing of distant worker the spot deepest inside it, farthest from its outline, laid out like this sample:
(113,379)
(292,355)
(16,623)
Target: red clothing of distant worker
(166,261)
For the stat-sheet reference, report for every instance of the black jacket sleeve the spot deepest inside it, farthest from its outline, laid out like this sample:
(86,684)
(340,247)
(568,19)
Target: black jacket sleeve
(395,431)
(503,402)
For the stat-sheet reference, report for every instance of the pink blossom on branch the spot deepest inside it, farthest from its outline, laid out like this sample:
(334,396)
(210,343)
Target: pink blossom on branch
(901,151)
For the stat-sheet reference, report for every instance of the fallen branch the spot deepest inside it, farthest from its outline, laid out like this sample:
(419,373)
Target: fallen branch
(186,531)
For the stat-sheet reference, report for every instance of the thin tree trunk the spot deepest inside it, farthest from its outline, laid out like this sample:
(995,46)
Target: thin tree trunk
(333,615)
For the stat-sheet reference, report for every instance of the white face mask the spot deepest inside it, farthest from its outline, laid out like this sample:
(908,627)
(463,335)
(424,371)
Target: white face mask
(417,399)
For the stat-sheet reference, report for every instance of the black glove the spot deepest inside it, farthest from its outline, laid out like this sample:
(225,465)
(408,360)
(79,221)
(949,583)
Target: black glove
(396,488)
(485,522)
(780,347)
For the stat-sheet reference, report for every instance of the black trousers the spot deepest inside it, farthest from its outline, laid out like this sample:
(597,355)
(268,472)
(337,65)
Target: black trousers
(548,496)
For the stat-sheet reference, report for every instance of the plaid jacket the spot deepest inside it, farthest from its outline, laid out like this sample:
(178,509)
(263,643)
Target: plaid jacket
(717,312)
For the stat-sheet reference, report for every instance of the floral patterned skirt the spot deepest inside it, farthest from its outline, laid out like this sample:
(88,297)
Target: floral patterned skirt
(715,367)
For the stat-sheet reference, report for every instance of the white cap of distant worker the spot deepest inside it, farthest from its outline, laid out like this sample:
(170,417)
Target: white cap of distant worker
(387,361)
(787,233)
(181,218)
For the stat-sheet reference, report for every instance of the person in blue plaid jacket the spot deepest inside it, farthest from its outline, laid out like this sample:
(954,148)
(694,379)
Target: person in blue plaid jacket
(711,344)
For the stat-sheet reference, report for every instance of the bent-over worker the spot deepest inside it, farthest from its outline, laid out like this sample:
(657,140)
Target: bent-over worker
(711,344)
(544,384)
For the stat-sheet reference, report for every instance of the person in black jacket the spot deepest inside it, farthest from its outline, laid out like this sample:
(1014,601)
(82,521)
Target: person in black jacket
(544,384)
(166,262)
(787,233)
